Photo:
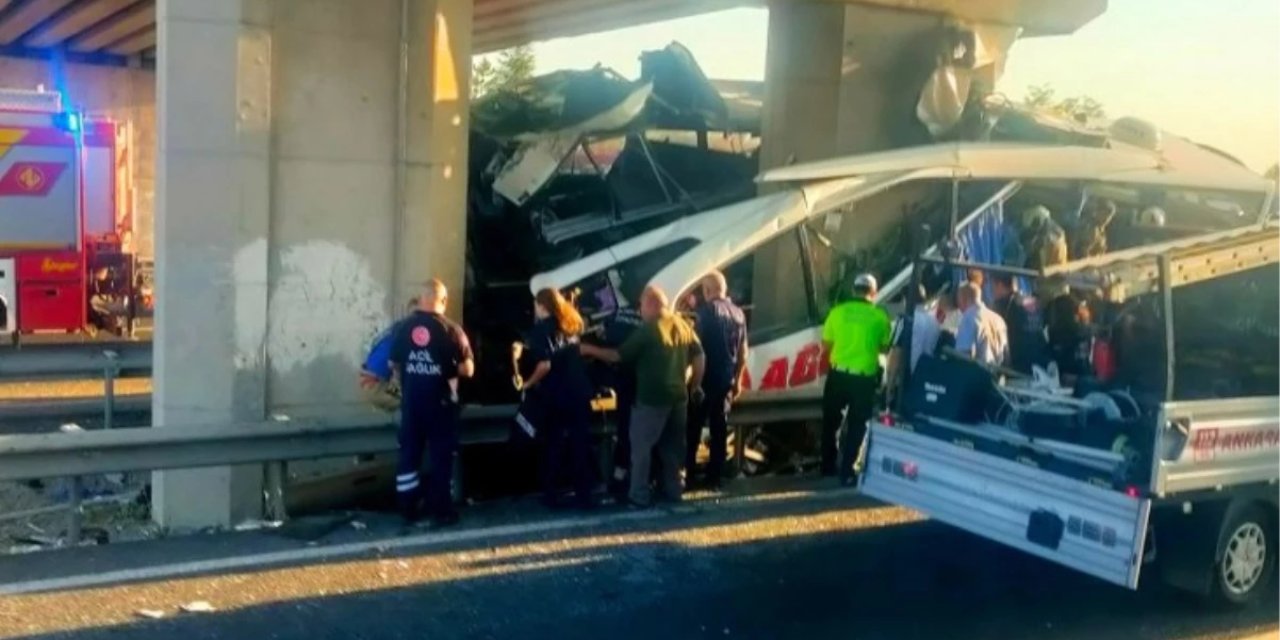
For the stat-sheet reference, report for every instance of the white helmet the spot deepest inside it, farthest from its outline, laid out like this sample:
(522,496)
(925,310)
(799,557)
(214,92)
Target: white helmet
(1036,217)
(1151,217)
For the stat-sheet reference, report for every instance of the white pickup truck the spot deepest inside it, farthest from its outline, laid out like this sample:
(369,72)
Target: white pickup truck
(1194,495)
(791,245)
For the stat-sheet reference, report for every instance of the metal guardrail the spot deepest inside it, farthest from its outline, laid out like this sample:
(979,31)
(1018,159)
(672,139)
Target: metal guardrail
(84,360)
(147,449)
(82,453)
(71,408)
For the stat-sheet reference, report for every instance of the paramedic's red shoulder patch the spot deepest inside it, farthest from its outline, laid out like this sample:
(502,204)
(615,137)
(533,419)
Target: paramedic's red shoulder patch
(421,337)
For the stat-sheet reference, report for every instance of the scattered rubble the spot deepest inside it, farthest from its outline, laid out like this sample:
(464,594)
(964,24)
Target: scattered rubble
(257,525)
(199,606)
(112,511)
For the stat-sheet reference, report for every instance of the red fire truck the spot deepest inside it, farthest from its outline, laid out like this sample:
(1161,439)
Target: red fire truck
(66,223)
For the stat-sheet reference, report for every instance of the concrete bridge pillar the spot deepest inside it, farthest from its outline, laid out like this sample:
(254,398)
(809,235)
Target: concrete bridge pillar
(311,172)
(844,78)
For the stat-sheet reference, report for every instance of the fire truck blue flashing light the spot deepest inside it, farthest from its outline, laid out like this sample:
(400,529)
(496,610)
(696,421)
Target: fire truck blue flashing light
(68,121)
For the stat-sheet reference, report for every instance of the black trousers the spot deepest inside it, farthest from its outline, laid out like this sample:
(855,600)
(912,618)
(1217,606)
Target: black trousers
(626,391)
(434,429)
(713,412)
(566,425)
(842,391)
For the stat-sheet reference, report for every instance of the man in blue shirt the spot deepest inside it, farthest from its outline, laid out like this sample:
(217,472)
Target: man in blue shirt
(722,328)
(428,355)
(376,384)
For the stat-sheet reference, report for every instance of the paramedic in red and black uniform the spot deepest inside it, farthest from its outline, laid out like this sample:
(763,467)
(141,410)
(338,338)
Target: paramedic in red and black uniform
(428,354)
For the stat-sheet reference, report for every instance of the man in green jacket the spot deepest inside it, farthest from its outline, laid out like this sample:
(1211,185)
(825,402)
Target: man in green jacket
(662,351)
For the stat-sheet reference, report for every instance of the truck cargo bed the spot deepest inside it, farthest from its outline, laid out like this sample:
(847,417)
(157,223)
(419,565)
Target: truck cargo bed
(1095,530)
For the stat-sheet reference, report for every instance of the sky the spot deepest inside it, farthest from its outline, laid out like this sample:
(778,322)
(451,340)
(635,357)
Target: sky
(1206,70)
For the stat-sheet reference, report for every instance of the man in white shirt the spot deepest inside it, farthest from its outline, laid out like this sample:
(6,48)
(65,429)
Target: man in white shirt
(925,331)
(924,335)
(982,334)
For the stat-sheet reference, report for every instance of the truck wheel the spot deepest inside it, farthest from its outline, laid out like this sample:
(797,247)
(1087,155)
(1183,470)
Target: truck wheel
(1246,556)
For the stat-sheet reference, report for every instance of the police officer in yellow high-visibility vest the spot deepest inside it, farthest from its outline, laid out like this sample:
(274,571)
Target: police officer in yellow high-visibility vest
(855,333)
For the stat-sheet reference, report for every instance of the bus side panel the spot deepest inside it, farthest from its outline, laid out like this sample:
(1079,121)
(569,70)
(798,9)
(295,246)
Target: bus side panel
(1097,531)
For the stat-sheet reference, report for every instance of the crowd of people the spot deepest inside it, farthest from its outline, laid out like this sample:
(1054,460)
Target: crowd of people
(673,377)
(988,319)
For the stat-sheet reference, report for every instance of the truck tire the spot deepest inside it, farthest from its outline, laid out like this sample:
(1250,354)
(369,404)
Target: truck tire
(1246,555)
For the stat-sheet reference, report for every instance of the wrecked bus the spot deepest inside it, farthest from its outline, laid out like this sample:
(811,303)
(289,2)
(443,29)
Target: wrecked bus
(1188,474)
(789,254)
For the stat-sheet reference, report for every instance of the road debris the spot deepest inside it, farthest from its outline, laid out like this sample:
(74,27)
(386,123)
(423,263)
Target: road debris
(256,525)
(198,606)
(151,614)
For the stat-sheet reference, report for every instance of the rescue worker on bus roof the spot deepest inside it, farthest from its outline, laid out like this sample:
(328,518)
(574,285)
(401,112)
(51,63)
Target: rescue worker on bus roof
(1022,320)
(856,333)
(1137,228)
(1091,234)
(722,329)
(377,386)
(559,382)
(428,354)
(982,334)
(1044,242)
(664,351)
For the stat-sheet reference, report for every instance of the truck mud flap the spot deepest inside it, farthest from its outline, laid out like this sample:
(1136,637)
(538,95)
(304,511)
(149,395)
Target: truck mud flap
(1073,523)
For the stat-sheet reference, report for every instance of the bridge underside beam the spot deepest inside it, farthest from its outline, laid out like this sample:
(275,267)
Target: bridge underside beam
(500,24)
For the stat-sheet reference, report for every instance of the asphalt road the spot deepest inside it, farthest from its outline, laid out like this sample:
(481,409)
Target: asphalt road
(789,562)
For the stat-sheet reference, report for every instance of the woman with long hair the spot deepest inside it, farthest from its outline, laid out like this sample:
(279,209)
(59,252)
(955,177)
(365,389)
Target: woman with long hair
(560,384)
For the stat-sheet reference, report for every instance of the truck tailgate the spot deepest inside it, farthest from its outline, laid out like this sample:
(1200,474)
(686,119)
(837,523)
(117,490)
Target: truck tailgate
(1073,523)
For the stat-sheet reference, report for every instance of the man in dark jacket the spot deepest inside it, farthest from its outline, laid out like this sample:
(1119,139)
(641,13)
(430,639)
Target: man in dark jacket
(722,329)
(1027,346)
